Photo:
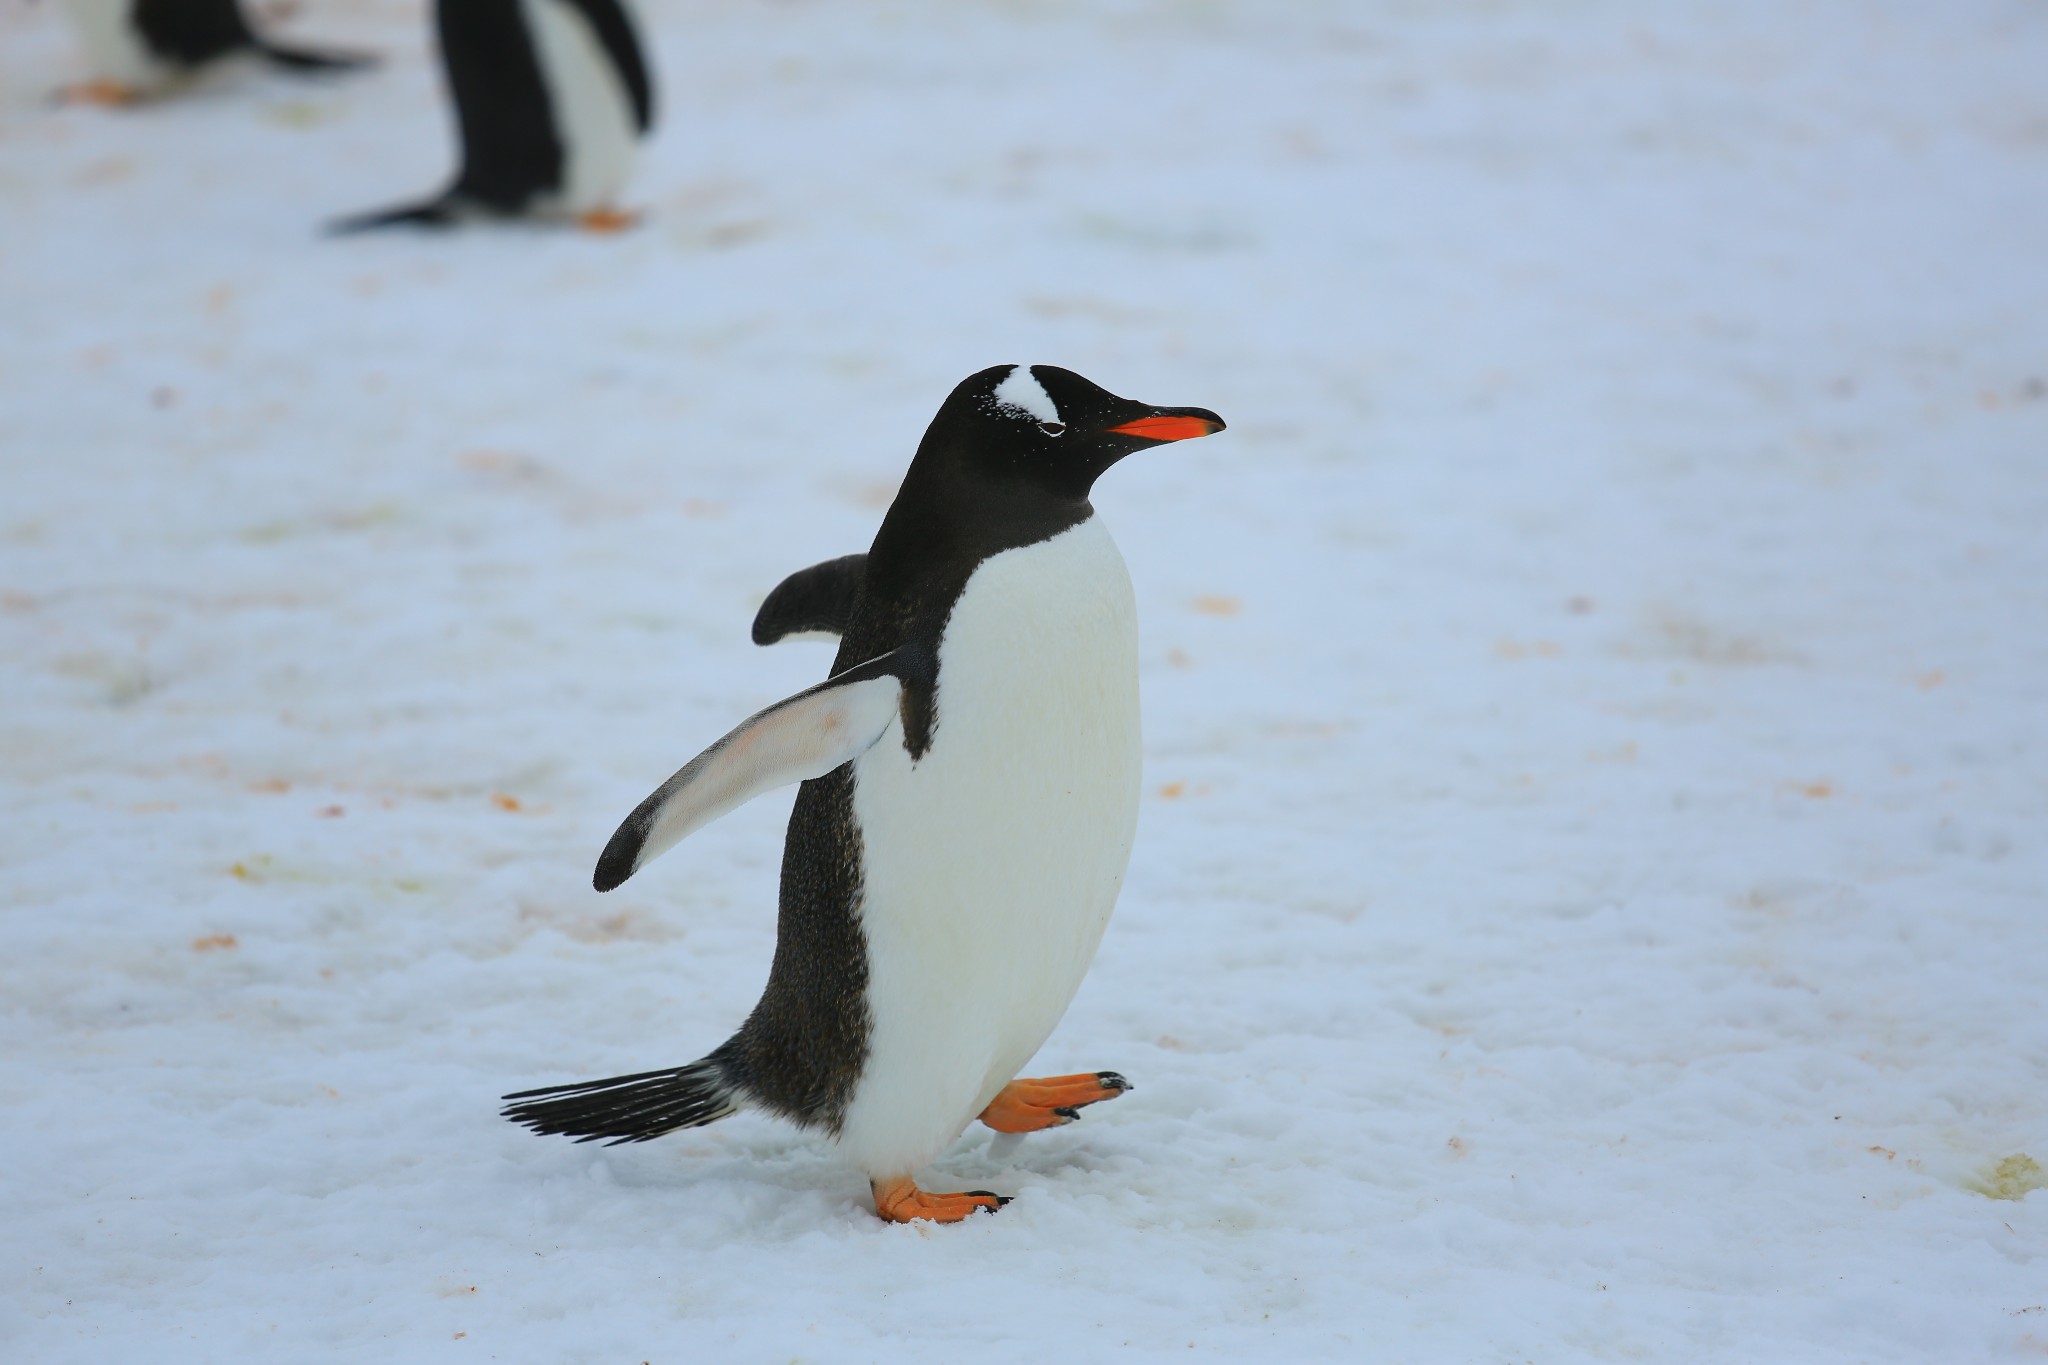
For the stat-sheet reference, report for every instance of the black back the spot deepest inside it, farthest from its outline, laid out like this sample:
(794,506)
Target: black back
(191,32)
(988,477)
(510,152)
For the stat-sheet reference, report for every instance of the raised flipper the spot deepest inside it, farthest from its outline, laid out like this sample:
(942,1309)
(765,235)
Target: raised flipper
(806,736)
(812,603)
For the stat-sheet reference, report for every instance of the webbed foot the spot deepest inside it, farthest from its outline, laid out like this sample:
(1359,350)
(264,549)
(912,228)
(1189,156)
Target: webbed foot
(608,220)
(106,93)
(1026,1106)
(901,1201)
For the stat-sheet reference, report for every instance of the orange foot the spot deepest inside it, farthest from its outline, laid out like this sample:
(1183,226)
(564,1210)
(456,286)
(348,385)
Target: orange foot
(608,220)
(1027,1106)
(900,1201)
(103,92)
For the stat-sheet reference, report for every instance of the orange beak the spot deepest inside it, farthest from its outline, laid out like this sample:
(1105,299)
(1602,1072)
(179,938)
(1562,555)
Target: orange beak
(1168,428)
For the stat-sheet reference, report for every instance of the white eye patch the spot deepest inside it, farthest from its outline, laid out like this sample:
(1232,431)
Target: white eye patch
(1021,390)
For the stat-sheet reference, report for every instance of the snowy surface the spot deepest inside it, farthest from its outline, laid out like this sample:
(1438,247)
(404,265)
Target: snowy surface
(1589,902)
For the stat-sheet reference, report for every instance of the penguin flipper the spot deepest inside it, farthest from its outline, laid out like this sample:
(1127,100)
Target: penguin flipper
(812,602)
(806,736)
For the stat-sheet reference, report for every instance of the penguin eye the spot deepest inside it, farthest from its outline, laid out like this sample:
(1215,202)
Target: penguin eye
(1052,428)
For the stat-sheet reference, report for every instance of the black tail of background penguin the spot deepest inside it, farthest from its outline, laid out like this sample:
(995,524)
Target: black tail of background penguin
(306,59)
(432,213)
(637,1108)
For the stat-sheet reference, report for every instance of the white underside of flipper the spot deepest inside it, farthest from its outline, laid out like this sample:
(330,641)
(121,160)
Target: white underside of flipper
(991,864)
(114,50)
(593,111)
(806,736)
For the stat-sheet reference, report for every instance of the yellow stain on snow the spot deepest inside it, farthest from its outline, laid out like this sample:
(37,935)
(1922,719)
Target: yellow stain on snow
(2013,1178)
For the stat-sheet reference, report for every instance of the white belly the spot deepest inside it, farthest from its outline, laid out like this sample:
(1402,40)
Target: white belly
(113,48)
(593,110)
(993,862)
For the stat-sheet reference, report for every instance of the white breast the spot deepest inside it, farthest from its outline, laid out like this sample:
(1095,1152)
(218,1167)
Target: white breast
(113,48)
(593,110)
(992,863)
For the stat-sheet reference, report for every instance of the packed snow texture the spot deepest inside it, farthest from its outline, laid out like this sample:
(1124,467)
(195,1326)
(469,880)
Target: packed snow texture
(1588,901)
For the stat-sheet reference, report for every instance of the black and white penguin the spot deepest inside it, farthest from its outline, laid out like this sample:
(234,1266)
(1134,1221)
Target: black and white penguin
(970,791)
(140,48)
(551,100)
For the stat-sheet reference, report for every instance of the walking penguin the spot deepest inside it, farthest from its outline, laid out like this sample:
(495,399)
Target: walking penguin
(141,48)
(551,100)
(970,782)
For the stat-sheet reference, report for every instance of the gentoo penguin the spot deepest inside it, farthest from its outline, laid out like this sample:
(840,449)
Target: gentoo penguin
(139,48)
(970,792)
(551,97)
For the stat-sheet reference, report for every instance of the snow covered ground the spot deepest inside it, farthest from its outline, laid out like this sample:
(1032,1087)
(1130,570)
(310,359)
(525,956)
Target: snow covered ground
(1589,902)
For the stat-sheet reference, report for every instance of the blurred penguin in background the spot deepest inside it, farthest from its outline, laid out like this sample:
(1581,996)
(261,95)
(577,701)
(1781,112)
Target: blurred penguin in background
(139,49)
(551,100)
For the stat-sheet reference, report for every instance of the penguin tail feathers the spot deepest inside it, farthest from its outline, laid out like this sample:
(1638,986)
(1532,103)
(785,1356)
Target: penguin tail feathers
(634,1108)
(309,59)
(431,213)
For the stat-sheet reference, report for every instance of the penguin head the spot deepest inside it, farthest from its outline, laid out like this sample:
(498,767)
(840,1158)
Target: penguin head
(1049,428)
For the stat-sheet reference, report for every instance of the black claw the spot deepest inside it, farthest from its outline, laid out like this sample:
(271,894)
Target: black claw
(1070,1115)
(1001,1199)
(1109,1080)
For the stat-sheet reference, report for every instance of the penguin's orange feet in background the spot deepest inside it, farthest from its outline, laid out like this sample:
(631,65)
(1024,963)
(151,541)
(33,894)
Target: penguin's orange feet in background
(1026,1106)
(901,1201)
(608,220)
(112,94)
